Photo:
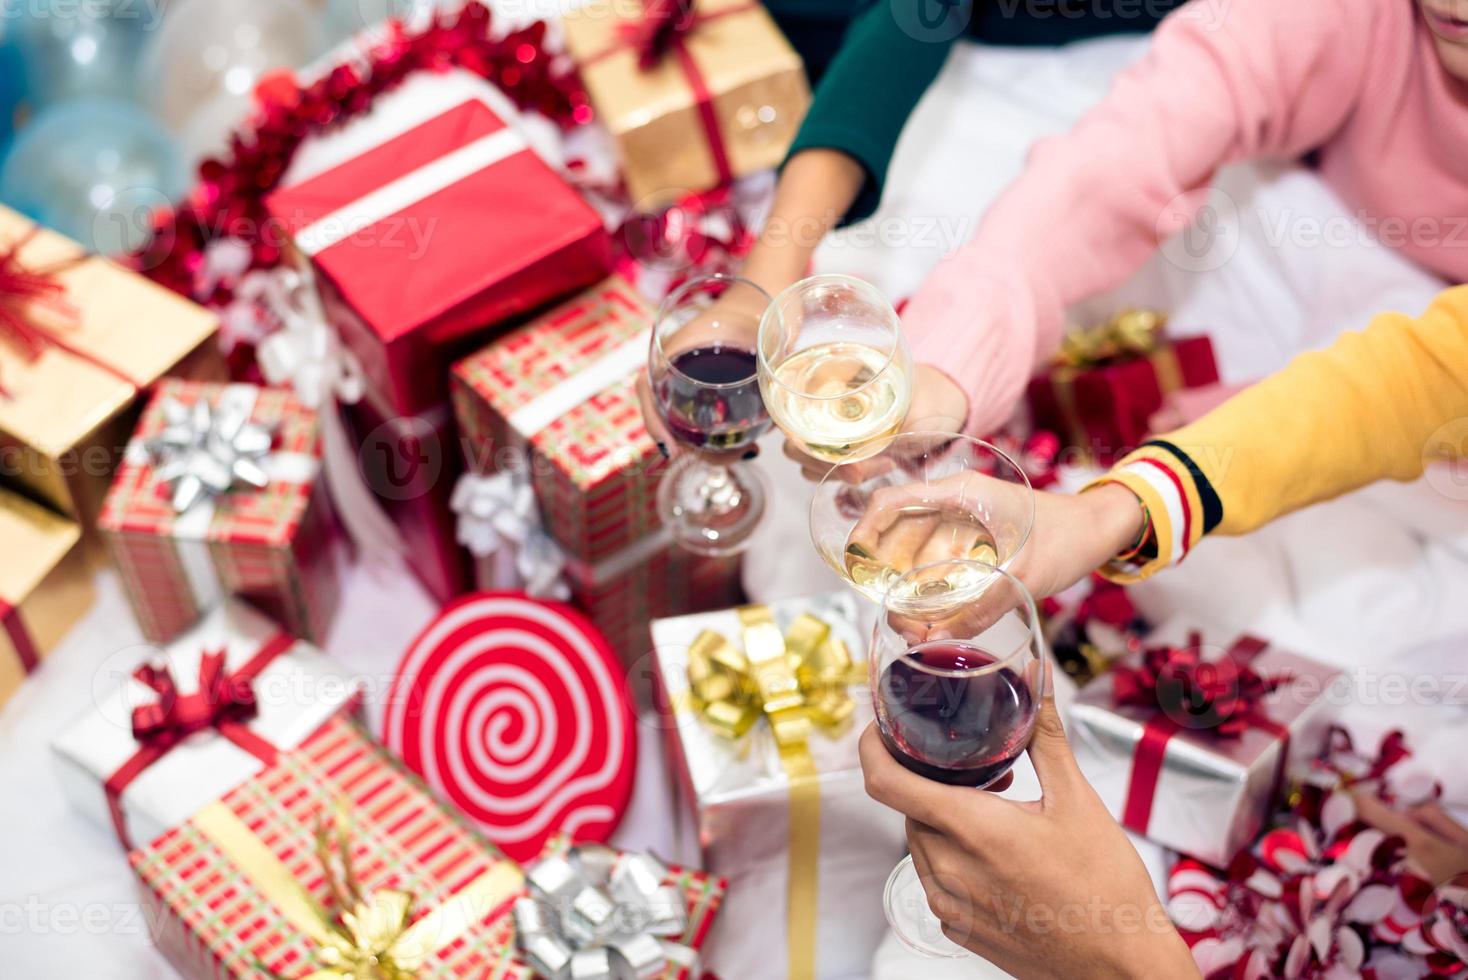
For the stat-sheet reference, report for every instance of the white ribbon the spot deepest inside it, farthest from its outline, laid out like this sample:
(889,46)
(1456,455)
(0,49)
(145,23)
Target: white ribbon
(499,522)
(306,355)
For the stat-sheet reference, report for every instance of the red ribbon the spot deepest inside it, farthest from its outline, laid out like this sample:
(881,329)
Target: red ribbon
(20,290)
(20,637)
(663,30)
(223,703)
(1221,696)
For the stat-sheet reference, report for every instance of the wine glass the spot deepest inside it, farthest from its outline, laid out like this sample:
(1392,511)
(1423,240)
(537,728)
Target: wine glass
(701,369)
(957,679)
(833,367)
(915,499)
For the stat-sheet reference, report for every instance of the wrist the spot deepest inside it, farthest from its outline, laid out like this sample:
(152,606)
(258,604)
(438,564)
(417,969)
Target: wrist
(1119,517)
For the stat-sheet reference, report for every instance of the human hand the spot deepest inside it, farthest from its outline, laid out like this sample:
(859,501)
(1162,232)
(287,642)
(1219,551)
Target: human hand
(1436,843)
(938,405)
(1050,887)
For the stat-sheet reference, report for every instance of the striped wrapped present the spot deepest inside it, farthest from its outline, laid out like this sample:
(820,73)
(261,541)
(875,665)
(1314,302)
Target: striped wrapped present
(220,492)
(257,883)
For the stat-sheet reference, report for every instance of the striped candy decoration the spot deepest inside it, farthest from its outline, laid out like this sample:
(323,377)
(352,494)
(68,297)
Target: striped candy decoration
(517,712)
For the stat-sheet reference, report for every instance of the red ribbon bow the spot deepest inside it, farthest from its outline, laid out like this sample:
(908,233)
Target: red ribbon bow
(1217,698)
(22,290)
(223,703)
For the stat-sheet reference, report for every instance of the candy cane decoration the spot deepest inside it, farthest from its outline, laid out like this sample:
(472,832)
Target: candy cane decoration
(517,712)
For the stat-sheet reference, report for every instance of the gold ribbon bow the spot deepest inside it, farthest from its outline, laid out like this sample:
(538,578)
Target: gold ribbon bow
(797,681)
(1128,333)
(374,937)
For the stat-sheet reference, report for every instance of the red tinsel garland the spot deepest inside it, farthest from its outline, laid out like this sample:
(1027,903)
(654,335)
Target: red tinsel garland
(228,202)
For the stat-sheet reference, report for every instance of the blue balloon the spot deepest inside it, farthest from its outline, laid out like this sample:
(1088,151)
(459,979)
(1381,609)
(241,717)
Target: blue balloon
(84,50)
(345,18)
(94,170)
(12,87)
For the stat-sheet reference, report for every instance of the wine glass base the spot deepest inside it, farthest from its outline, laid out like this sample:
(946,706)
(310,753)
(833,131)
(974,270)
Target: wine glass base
(914,924)
(712,509)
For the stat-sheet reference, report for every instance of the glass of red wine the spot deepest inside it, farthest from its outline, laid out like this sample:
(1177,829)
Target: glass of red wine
(957,677)
(704,379)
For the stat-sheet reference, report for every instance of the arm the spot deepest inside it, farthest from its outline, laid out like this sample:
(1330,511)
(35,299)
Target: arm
(1268,79)
(1372,406)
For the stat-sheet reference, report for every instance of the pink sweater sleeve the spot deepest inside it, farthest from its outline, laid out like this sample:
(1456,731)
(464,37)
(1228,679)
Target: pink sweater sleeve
(1224,80)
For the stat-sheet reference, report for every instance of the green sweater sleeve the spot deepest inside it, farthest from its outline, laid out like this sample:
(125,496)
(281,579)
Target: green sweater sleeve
(890,56)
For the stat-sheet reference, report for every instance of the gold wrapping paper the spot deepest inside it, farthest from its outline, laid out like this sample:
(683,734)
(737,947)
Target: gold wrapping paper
(65,422)
(45,584)
(796,682)
(755,79)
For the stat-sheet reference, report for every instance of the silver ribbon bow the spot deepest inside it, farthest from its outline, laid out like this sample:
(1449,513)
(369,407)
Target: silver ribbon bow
(204,451)
(304,354)
(499,516)
(597,914)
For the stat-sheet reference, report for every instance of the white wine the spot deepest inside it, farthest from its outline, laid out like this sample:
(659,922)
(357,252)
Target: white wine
(922,536)
(834,398)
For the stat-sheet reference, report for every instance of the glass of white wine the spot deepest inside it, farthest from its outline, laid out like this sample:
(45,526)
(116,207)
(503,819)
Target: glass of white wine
(935,501)
(834,370)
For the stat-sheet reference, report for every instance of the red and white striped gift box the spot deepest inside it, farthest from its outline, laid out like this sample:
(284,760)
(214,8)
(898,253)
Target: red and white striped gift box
(272,546)
(229,889)
(429,219)
(561,389)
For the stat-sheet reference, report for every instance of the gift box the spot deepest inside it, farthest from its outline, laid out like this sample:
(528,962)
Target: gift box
(555,399)
(188,724)
(332,863)
(1190,742)
(1108,381)
(45,586)
(592,911)
(220,492)
(428,221)
(695,95)
(86,337)
(763,711)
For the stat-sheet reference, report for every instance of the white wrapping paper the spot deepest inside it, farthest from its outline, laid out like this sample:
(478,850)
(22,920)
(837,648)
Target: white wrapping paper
(739,798)
(298,691)
(1212,794)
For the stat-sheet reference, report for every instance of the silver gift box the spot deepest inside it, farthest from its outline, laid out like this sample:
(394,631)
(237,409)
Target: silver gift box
(735,797)
(1213,794)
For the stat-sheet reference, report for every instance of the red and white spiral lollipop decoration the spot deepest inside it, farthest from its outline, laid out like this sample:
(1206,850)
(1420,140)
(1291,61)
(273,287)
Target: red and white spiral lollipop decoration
(516,711)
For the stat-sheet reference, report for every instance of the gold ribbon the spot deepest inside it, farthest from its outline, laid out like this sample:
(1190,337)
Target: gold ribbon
(797,682)
(374,939)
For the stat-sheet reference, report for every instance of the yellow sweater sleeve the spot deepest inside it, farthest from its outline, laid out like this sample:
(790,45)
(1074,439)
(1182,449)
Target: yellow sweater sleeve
(1378,404)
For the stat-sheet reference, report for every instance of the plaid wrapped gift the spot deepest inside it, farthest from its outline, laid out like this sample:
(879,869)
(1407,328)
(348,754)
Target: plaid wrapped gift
(561,387)
(272,545)
(242,889)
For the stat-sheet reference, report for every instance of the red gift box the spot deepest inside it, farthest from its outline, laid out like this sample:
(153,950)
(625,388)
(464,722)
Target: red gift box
(439,223)
(1104,409)
(242,888)
(270,544)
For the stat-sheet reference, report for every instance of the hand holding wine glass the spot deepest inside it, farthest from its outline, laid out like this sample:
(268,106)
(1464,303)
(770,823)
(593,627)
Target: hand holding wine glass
(1050,887)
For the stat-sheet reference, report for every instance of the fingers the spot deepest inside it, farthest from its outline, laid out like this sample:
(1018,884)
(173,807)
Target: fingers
(1055,764)
(1384,818)
(934,804)
(1435,819)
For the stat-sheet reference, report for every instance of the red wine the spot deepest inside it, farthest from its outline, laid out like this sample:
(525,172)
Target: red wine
(724,418)
(965,730)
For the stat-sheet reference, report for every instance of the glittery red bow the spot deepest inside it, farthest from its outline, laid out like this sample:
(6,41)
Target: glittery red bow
(21,289)
(1217,695)
(663,24)
(219,700)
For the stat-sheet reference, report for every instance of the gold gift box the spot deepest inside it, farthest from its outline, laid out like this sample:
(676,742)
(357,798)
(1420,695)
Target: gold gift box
(755,80)
(64,421)
(45,584)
